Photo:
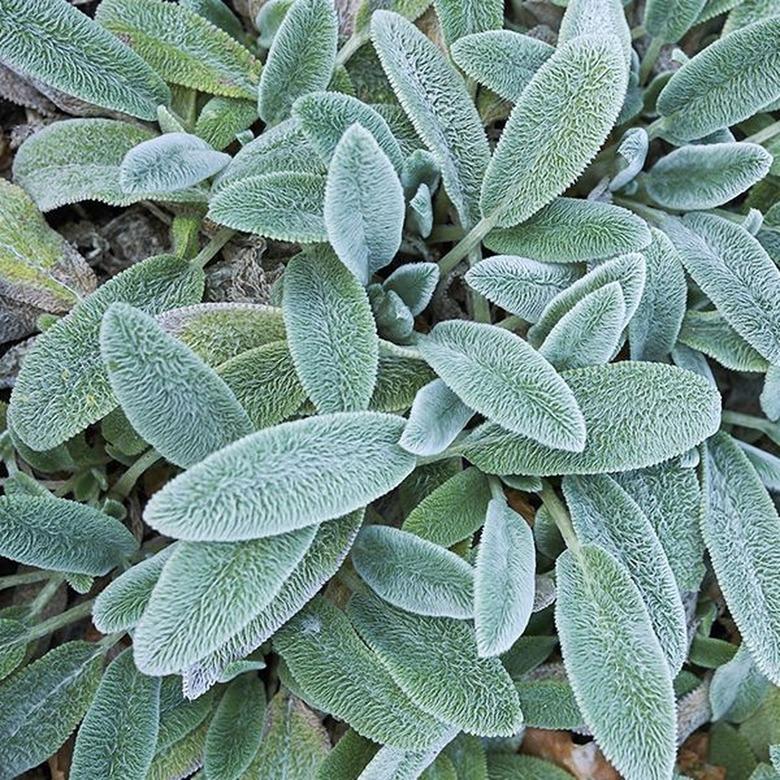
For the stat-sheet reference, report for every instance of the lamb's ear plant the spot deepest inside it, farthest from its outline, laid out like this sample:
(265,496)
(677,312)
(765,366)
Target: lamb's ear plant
(391,389)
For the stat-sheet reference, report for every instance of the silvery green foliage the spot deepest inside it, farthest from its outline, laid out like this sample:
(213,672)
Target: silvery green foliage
(724,83)
(506,766)
(53,533)
(770,395)
(171,398)
(301,58)
(633,152)
(333,666)
(169,162)
(572,231)
(63,385)
(394,321)
(436,418)
(349,757)
(287,206)
(459,18)
(548,700)
(501,60)
(331,332)
(668,494)
(236,729)
(596,17)
(364,204)
(701,176)
(736,273)
(767,466)
(206,593)
(391,763)
(562,118)
(616,666)
(653,330)
(627,270)
(501,376)
(413,573)
(630,419)
(414,283)
(740,524)
(453,511)
(90,63)
(218,14)
(223,118)
(434,660)
(328,549)
(503,579)
(669,20)
(737,688)
(43,703)
(122,603)
(324,117)
(79,159)
(589,332)
(182,46)
(604,514)
(290,476)
(436,100)
(117,739)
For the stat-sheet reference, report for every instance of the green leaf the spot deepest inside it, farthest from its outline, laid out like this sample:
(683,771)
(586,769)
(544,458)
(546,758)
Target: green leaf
(364,204)
(236,729)
(53,533)
(330,662)
(669,20)
(37,265)
(735,273)
(217,332)
(654,328)
(413,573)
(151,374)
(290,476)
(331,332)
(414,283)
(58,44)
(391,763)
(562,118)
(569,230)
(767,466)
(596,17)
(464,17)
(669,497)
(41,705)
(742,531)
(436,418)
(731,750)
(320,562)
(501,60)
(401,374)
(708,332)
(348,759)
(13,634)
(294,744)
(223,118)
(301,58)
(173,161)
(324,117)
(119,733)
(627,270)
(63,386)
(179,718)
(434,660)
(521,286)
(435,98)
(723,84)
(501,376)
(183,47)
(503,579)
(120,605)
(616,666)
(468,757)
(285,206)
(548,700)
(636,415)
(737,688)
(218,14)
(590,332)
(264,381)
(604,514)
(206,593)
(179,759)
(508,766)
(453,511)
(79,159)
(702,176)
(770,395)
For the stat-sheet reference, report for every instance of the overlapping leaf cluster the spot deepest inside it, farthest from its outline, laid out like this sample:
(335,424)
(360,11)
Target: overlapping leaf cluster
(494,458)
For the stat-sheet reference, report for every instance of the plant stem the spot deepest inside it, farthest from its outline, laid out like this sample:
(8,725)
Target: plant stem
(649,60)
(655,216)
(511,322)
(444,233)
(46,594)
(220,238)
(467,244)
(28,578)
(480,308)
(351,46)
(71,615)
(654,128)
(559,514)
(637,32)
(764,135)
(496,488)
(126,482)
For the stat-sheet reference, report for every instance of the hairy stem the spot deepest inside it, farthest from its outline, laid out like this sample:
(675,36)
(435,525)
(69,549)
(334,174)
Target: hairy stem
(559,514)
(46,594)
(649,60)
(126,482)
(467,244)
(764,135)
(221,237)
(28,578)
